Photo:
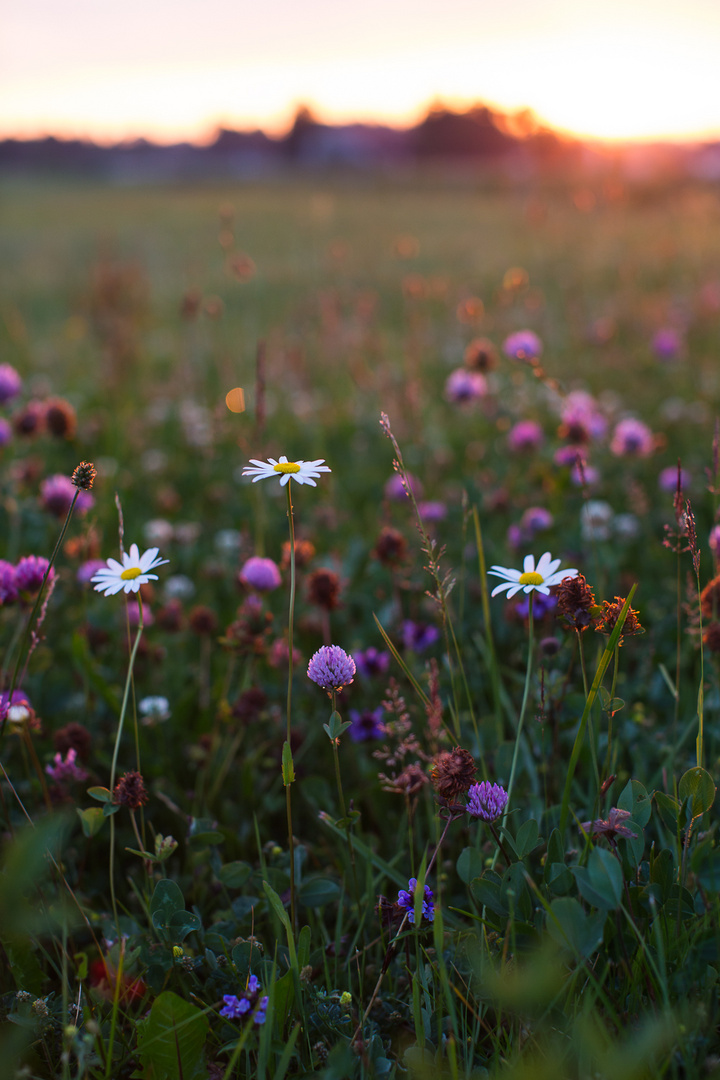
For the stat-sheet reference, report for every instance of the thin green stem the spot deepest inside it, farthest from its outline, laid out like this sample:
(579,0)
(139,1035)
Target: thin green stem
(36,606)
(291,616)
(523,707)
(118,736)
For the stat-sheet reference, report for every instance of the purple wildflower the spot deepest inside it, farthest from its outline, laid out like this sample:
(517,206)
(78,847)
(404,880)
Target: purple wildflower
(667,343)
(57,493)
(419,636)
(260,574)
(523,345)
(65,770)
(486,801)
(8,585)
(525,436)
(587,476)
(239,1006)
(372,662)
(432,511)
(668,478)
(536,519)
(463,387)
(331,668)
(632,438)
(406,900)
(713,543)
(29,574)
(10,383)
(542,606)
(395,489)
(368,724)
(6,432)
(568,455)
(611,827)
(88,569)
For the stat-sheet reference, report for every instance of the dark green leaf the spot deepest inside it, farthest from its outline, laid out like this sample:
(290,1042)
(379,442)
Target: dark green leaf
(171,1039)
(469,864)
(635,798)
(697,785)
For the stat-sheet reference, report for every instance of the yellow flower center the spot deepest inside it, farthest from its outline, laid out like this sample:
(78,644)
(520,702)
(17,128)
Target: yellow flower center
(130,573)
(286,467)
(531,578)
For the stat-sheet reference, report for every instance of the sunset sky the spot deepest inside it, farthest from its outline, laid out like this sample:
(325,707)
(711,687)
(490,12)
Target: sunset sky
(171,69)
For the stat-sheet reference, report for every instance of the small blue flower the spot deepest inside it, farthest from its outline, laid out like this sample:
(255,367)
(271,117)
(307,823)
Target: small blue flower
(406,900)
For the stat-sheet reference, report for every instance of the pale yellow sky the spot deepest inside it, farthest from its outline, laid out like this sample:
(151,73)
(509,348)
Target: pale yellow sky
(172,69)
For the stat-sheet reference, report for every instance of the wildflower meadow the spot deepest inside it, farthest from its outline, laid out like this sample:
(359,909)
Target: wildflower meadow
(360,617)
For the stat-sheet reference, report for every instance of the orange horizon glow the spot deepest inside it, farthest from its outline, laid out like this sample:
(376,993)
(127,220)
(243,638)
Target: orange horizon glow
(602,71)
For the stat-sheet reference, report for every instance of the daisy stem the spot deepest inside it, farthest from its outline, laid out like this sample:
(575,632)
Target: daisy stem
(31,621)
(113,766)
(287,780)
(523,707)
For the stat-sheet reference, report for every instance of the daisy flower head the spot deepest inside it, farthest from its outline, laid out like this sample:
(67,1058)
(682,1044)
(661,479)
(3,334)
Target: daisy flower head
(531,578)
(129,575)
(303,472)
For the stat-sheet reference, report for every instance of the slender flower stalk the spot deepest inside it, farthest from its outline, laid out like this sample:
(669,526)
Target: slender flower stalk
(118,736)
(303,472)
(82,479)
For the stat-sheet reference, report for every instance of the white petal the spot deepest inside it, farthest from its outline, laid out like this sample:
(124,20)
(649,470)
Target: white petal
(113,567)
(529,564)
(514,589)
(284,479)
(134,553)
(543,564)
(147,558)
(501,588)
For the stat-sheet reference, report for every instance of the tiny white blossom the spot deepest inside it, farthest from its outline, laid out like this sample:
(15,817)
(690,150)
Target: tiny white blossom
(303,472)
(129,575)
(531,578)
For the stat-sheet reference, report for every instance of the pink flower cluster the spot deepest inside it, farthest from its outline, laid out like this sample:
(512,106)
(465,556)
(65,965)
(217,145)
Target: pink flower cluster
(23,580)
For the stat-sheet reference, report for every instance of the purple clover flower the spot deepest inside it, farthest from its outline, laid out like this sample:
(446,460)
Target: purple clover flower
(57,493)
(667,344)
(331,668)
(29,574)
(10,383)
(523,345)
(395,490)
(88,570)
(372,662)
(526,436)
(8,584)
(64,770)
(568,455)
(668,478)
(260,574)
(419,636)
(432,511)
(463,387)
(542,605)
(406,900)
(486,801)
(632,438)
(368,724)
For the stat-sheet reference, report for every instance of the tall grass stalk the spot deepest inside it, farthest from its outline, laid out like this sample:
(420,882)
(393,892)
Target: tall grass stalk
(287,767)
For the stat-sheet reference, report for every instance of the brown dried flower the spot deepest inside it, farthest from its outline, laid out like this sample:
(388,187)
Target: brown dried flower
(83,476)
(710,600)
(203,620)
(711,637)
(611,613)
(60,419)
(453,773)
(130,791)
(323,588)
(481,355)
(410,781)
(390,547)
(304,553)
(75,737)
(575,602)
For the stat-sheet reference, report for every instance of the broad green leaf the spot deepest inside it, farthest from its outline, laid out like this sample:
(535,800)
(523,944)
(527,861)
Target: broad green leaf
(171,1039)
(92,820)
(635,798)
(469,864)
(318,890)
(697,784)
(572,928)
(526,838)
(233,875)
(167,899)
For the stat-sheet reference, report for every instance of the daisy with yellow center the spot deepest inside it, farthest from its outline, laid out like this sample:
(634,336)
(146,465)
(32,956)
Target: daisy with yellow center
(531,578)
(128,575)
(303,472)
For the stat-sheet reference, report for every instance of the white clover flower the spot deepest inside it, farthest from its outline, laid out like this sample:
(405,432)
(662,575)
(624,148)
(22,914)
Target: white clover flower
(531,578)
(302,472)
(128,575)
(153,709)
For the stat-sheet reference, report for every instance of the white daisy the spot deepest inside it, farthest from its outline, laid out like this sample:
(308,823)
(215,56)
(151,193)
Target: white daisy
(531,578)
(128,575)
(300,471)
